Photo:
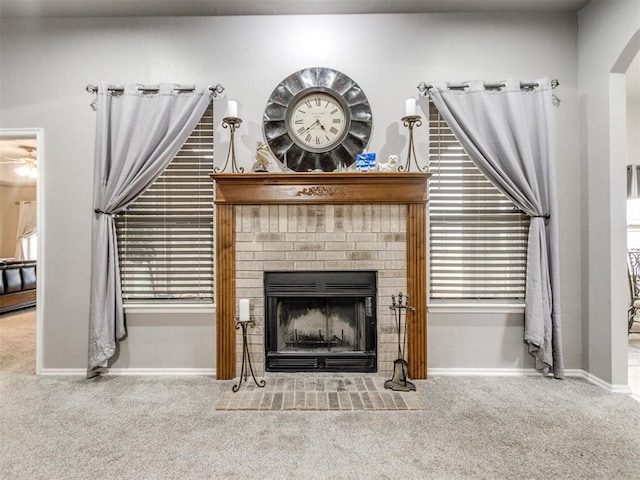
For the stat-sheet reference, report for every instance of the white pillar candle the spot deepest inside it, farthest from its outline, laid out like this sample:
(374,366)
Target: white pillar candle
(243,310)
(410,107)
(232,108)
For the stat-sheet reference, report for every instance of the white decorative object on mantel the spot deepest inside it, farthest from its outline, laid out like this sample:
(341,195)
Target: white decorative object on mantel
(265,159)
(390,166)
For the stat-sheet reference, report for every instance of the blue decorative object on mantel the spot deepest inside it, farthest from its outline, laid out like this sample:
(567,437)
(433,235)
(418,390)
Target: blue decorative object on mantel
(366,162)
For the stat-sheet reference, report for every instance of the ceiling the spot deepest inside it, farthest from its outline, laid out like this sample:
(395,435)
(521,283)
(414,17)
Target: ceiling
(125,8)
(11,150)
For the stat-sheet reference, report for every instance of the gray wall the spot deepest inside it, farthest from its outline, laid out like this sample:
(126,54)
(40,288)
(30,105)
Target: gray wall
(606,28)
(46,64)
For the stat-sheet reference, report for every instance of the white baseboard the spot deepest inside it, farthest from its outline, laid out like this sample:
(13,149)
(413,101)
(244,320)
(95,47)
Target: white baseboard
(63,371)
(135,371)
(481,372)
(478,372)
(162,371)
(522,372)
(607,386)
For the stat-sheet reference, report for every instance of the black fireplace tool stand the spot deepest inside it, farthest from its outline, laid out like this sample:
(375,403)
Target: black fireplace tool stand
(246,358)
(399,381)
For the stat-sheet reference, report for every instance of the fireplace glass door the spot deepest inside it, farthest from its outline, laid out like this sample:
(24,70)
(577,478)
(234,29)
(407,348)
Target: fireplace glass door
(320,321)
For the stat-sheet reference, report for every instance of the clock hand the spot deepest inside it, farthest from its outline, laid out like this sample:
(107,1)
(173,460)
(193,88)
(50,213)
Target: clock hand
(324,130)
(309,127)
(322,126)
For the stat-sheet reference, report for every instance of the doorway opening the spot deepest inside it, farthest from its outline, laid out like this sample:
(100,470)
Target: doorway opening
(21,237)
(632,155)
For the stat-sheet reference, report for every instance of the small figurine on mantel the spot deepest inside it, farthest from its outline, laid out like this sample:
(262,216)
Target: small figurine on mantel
(264,158)
(390,166)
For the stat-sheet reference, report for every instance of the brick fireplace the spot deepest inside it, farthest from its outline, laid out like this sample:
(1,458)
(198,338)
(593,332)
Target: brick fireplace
(320,222)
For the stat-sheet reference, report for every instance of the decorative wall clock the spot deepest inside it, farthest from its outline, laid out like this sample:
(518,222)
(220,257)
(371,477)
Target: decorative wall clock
(317,119)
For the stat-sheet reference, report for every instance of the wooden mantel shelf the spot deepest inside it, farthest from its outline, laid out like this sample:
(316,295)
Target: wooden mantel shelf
(346,188)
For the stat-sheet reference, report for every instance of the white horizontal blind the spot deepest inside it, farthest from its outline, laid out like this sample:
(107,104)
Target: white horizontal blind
(478,239)
(165,237)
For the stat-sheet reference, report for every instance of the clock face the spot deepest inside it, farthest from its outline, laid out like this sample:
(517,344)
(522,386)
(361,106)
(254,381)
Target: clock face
(317,119)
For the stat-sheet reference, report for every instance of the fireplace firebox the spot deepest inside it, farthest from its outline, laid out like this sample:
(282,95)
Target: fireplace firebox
(320,321)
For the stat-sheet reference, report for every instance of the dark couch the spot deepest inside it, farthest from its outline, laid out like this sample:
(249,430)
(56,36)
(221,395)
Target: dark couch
(17,285)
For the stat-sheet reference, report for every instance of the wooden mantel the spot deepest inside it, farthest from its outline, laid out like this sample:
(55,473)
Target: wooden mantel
(320,188)
(351,187)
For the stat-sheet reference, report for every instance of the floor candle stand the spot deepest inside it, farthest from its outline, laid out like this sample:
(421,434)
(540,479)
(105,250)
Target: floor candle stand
(246,358)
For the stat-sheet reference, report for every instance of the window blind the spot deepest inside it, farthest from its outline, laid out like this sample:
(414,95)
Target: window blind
(477,237)
(165,237)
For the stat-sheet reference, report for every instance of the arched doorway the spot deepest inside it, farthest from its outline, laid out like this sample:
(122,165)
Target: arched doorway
(618,101)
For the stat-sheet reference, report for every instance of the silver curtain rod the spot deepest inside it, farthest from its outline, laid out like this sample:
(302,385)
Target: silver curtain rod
(425,87)
(216,90)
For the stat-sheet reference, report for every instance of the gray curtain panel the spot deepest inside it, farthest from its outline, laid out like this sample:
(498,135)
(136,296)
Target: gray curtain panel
(509,135)
(633,177)
(138,133)
(27,225)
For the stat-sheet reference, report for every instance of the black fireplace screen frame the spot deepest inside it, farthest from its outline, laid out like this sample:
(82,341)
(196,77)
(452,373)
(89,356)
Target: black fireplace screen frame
(339,286)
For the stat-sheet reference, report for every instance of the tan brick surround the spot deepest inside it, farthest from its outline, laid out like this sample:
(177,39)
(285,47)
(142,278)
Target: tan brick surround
(320,237)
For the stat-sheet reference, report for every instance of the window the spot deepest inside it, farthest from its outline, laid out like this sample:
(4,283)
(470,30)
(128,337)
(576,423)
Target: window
(477,237)
(165,237)
(30,246)
(633,223)
(633,206)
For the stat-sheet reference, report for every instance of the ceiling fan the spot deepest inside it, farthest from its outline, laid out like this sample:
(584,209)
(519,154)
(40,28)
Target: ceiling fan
(28,165)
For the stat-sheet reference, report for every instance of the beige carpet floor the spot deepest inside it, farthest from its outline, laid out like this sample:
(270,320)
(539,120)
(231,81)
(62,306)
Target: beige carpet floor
(157,427)
(18,342)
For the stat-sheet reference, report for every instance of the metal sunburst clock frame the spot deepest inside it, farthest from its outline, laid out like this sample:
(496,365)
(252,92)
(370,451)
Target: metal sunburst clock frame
(331,87)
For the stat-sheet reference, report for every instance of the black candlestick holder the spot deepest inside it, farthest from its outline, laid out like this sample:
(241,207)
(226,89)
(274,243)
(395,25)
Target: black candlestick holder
(246,358)
(411,121)
(232,123)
